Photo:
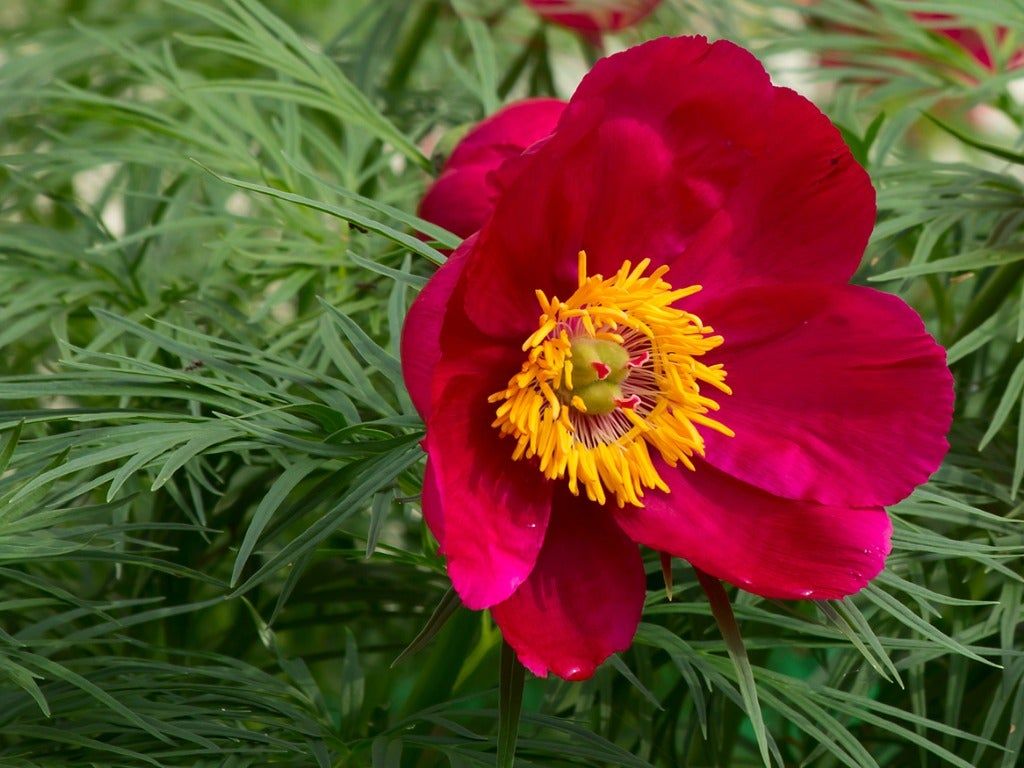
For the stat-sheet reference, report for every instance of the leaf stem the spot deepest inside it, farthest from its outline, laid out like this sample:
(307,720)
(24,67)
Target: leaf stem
(990,297)
(726,620)
(510,704)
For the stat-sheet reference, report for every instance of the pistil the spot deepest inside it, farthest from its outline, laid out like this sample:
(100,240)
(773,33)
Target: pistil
(599,368)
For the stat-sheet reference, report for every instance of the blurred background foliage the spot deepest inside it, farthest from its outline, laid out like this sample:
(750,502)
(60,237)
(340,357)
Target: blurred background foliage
(211,550)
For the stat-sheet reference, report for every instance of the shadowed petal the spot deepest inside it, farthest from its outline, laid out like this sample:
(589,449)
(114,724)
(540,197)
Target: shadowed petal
(462,197)
(433,514)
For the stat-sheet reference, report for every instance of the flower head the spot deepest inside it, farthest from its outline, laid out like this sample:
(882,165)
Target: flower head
(652,341)
(970,39)
(462,197)
(593,16)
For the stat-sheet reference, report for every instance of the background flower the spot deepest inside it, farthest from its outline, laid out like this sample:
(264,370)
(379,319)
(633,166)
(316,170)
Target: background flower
(968,38)
(462,197)
(594,15)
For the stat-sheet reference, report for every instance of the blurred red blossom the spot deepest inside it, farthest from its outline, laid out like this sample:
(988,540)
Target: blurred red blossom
(591,16)
(462,197)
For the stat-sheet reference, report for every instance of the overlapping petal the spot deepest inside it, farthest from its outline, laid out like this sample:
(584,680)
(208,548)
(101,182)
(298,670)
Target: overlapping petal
(494,510)
(767,545)
(433,511)
(839,394)
(705,175)
(583,600)
(462,197)
(421,333)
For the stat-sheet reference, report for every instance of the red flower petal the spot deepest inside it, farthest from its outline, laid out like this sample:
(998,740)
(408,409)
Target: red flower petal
(707,175)
(507,133)
(839,394)
(433,512)
(803,212)
(594,15)
(495,510)
(462,198)
(583,600)
(421,334)
(770,546)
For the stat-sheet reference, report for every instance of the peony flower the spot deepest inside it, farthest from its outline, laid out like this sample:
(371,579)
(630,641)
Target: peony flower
(462,197)
(592,16)
(652,342)
(970,39)
(967,38)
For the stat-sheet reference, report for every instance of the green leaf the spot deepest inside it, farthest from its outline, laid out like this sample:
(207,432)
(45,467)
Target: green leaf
(367,348)
(964,262)
(443,611)
(268,505)
(1010,398)
(991,149)
(26,680)
(9,445)
(406,241)
(722,611)
(59,672)
(510,703)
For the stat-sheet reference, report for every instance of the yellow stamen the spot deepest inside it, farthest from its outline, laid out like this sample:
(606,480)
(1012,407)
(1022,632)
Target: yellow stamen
(598,436)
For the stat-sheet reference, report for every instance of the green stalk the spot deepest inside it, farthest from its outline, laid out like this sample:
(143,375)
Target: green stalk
(721,609)
(510,704)
(990,297)
(411,46)
(515,69)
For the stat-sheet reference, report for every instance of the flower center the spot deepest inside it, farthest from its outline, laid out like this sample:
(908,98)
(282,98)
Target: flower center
(610,373)
(599,369)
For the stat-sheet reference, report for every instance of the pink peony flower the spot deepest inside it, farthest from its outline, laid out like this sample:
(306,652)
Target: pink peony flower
(592,16)
(462,197)
(652,341)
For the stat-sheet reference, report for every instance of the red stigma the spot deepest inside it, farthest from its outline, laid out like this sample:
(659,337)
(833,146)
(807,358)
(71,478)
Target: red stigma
(639,360)
(630,402)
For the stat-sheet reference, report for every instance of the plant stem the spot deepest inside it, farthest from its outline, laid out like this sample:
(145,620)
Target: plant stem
(510,704)
(989,298)
(411,46)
